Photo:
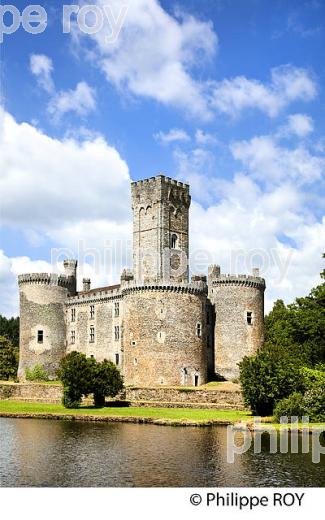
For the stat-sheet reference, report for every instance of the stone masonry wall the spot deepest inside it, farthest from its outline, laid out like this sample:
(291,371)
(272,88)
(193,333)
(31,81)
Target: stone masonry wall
(233,297)
(219,398)
(103,312)
(161,342)
(42,309)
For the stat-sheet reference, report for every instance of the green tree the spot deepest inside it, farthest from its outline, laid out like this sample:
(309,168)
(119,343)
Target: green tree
(107,381)
(82,376)
(9,328)
(299,328)
(268,377)
(75,372)
(8,359)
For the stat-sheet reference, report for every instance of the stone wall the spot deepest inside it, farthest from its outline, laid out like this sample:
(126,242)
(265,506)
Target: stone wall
(219,398)
(239,320)
(42,300)
(160,230)
(164,337)
(222,397)
(102,310)
(31,392)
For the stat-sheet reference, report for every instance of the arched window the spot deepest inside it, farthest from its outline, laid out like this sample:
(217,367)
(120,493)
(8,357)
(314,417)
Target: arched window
(173,241)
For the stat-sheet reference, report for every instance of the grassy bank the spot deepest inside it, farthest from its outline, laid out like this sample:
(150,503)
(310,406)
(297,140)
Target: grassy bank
(172,415)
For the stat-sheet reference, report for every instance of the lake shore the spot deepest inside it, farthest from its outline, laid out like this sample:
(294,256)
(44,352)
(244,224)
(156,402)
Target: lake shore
(161,416)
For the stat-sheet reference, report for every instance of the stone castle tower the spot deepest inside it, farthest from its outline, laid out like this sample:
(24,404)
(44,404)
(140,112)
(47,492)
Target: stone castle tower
(160,230)
(156,325)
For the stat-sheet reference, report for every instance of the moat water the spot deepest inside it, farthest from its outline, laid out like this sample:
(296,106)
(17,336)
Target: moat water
(67,454)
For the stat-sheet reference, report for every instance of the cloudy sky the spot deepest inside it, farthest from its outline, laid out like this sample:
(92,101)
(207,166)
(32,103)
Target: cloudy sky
(227,95)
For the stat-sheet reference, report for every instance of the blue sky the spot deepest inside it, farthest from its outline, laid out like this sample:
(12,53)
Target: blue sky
(226,95)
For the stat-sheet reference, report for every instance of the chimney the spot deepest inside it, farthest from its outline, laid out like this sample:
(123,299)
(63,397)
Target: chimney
(86,283)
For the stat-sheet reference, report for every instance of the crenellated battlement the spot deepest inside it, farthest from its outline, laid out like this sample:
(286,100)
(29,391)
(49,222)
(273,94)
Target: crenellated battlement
(46,279)
(238,279)
(159,180)
(198,287)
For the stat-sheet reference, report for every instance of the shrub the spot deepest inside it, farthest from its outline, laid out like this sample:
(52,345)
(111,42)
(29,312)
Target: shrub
(37,373)
(267,378)
(314,401)
(106,381)
(70,400)
(76,375)
(312,376)
(83,376)
(8,359)
(292,406)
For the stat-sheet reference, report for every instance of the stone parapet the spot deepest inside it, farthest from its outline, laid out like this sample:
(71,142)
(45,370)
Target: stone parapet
(198,287)
(239,279)
(45,279)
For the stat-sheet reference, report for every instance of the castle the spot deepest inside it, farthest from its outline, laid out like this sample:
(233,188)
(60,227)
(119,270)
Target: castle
(158,327)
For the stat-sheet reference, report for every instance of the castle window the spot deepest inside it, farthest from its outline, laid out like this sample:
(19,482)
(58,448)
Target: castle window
(73,337)
(92,334)
(117,333)
(117,309)
(40,336)
(249,318)
(73,314)
(117,359)
(173,241)
(133,343)
(92,312)
(199,330)
(135,361)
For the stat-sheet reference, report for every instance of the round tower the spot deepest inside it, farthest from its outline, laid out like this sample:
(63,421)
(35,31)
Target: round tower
(42,320)
(164,334)
(239,318)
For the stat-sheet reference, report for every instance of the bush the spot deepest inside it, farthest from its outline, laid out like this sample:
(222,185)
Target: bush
(292,406)
(312,376)
(267,378)
(36,374)
(314,401)
(76,375)
(82,376)
(70,400)
(8,359)
(107,381)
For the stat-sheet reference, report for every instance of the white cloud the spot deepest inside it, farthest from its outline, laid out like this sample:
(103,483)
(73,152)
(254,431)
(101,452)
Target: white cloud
(288,84)
(204,138)
(268,161)
(81,100)
(42,67)
(261,228)
(298,124)
(175,134)
(102,272)
(48,183)
(196,168)
(154,54)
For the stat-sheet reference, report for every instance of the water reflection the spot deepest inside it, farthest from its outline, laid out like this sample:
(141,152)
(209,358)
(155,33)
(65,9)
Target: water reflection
(62,453)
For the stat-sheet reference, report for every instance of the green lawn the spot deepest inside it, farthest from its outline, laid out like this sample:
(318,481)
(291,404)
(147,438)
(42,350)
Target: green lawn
(172,414)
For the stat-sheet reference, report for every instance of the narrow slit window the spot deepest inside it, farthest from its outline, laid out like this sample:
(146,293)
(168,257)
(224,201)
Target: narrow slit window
(199,330)
(73,314)
(117,333)
(92,312)
(92,334)
(40,336)
(249,318)
(73,337)
(117,359)
(173,241)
